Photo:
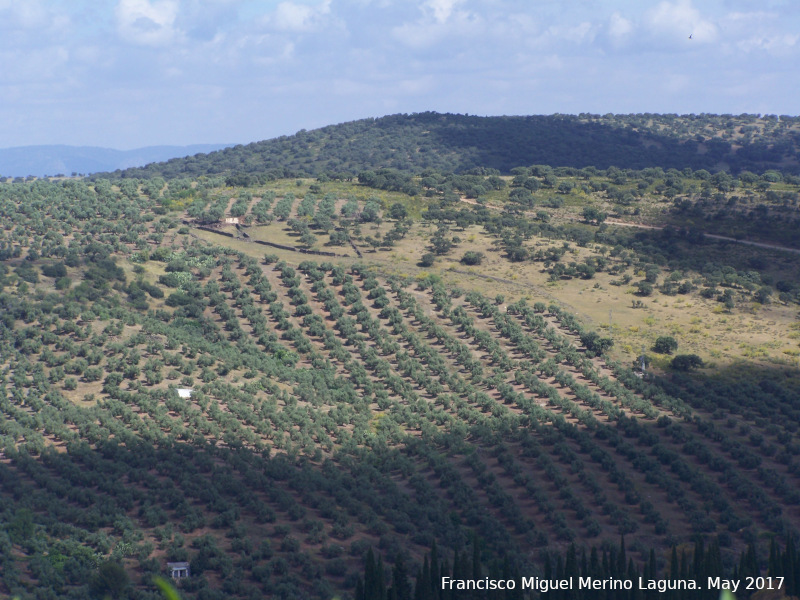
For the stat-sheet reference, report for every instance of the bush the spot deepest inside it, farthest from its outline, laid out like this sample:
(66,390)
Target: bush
(110,581)
(472,258)
(427,260)
(27,272)
(763,295)
(56,270)
(665,344)
(686,362)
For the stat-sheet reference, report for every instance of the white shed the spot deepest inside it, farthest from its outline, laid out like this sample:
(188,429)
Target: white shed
(178,570)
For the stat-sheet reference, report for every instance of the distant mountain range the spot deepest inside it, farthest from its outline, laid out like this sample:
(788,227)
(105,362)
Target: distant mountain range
(66,160)
(417,142)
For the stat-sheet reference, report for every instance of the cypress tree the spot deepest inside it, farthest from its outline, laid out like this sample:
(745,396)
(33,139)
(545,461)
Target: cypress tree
(422,587)
(673,563)
(633,575)
(371,585)
(444,572)
(401,587)
(752,562)
(697,563)
(380,584)
(594,564)
(435,581)
(457,567)
(621,558)
(360,590)
(773,568)
(713,560)
(653,565)
(790,566)
(476,557)
(571,566)
(742,564)
(684,572)
(584,565)
(560,568)
(558,594)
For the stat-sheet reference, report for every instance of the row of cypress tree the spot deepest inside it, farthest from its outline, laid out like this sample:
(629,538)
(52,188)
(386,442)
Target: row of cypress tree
(696,563)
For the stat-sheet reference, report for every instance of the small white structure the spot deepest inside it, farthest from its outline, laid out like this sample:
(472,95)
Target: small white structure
(178,570)
(231,220)
(185,392)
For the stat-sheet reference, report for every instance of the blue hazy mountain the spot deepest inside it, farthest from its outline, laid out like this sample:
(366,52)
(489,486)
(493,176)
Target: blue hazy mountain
(65,160)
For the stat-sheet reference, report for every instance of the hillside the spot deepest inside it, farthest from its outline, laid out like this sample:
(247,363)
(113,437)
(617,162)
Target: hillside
(375,370)
(457,143)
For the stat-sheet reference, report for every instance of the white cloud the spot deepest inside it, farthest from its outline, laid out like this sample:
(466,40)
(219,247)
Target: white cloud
(577,33)
(759,31)
(440,19)
(206,19)
(31,22)
(290,16)
(770,43)
(680,19)
(277,55)
(441,9)
(619,26)
(134,62)
(146,22)
(25,14)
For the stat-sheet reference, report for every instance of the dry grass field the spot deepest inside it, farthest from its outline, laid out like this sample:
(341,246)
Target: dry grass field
(752,332)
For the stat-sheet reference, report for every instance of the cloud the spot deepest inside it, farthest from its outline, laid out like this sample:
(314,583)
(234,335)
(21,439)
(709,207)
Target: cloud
(31,22)
(206,19)
(440,19)
(441,9)
(678,20)
(759,31)
(582,32)
(147,23)
(290,16)
(25,14)
(619,27)
(133,65)
(770,43)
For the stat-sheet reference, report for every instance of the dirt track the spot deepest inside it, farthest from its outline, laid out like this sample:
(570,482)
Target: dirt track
(640,226)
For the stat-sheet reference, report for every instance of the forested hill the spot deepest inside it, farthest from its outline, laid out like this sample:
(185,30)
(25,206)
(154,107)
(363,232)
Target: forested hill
(455,143)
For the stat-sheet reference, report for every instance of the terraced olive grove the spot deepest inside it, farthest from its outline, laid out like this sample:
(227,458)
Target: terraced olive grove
(344,400)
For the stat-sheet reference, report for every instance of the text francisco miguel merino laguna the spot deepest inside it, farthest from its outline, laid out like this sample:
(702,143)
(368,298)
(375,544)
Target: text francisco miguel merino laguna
(585,583)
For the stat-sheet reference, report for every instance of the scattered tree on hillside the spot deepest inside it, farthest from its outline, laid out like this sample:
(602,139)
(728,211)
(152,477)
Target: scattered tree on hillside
(665,344)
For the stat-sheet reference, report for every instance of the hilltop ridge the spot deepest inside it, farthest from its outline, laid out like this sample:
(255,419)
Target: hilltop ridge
(458,143)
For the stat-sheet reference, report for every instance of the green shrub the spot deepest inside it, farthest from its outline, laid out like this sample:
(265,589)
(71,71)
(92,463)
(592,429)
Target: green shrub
(665,344)
(686,362)
(472,258)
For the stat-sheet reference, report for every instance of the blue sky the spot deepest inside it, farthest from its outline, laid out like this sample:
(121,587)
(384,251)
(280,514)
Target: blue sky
(130,73)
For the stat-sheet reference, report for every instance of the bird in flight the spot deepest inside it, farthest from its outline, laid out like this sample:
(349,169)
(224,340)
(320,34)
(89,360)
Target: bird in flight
(690,35)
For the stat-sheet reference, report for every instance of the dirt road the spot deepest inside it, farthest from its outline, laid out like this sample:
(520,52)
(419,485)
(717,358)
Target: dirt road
(713,236)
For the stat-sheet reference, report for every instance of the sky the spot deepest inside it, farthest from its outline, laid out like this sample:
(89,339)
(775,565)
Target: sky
(130,73)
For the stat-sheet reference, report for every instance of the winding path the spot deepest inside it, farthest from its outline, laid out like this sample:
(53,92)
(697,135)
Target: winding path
(714,236)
